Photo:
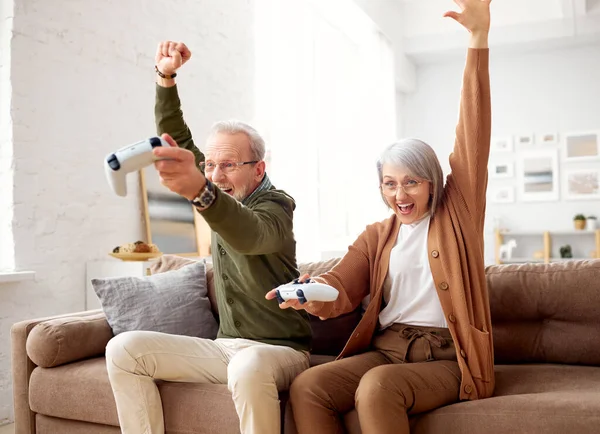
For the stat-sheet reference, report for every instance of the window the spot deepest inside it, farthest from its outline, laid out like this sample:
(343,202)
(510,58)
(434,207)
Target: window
(326,105)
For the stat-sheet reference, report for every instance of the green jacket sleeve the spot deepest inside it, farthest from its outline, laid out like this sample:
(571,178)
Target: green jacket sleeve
(169,119)
(252,230)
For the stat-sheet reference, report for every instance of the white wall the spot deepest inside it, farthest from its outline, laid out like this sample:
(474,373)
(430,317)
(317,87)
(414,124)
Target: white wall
(6,150)
(83,86)
(544,92)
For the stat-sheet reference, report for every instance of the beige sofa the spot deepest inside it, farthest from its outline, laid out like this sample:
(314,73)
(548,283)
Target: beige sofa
(546,342)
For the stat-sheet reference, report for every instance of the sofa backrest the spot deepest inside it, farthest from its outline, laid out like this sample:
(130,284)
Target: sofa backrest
(546,312)
(540,312)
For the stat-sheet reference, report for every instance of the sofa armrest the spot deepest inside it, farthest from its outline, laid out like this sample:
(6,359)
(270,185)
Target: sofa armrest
(23,366)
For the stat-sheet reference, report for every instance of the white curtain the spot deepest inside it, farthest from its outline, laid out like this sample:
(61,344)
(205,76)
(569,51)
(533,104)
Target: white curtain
(325,102)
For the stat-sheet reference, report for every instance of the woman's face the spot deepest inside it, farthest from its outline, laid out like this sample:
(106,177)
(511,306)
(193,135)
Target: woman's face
(405,193)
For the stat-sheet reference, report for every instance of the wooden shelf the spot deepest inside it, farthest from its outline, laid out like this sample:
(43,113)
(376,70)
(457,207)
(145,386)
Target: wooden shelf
(546,240)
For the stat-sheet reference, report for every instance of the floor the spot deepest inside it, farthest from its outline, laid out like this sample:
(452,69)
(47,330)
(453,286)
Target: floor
(7,429)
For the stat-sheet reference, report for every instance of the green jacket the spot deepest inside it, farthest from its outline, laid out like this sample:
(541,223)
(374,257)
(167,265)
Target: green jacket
(253,249)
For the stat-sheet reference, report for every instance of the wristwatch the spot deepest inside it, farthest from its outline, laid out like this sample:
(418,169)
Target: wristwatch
(205,197)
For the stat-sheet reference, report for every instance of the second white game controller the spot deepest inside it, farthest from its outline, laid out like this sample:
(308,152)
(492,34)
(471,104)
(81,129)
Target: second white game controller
(128,159)
(306,292)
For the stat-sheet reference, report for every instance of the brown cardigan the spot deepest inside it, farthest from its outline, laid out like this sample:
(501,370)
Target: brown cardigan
(455,242)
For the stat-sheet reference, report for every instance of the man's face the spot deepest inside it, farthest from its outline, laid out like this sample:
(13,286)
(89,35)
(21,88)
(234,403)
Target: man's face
(223,152)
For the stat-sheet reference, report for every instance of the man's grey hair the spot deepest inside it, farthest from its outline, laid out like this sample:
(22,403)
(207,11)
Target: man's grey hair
(257,143)
(420,160)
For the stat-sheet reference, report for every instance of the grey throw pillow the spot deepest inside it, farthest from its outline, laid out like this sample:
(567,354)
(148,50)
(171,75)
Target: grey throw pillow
(174,302)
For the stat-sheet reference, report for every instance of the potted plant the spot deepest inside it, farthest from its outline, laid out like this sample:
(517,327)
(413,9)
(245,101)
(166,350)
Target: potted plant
(579,221)
(591,222)
(566,252)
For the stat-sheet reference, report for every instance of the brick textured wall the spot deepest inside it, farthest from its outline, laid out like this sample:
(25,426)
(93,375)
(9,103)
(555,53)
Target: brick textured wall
(6,149)
(83,86)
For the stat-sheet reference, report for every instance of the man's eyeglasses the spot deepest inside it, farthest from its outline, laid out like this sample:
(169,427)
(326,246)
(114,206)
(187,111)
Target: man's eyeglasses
(225,166)
(391,188)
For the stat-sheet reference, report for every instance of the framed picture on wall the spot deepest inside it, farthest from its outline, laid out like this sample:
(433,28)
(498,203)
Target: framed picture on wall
(501,144)
(501,169)
(538,175)
(546,139)
(582,184)
(502,194)
(523,140)
(582,146)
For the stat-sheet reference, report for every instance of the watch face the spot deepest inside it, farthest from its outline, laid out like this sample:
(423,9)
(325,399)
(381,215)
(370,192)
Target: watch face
(205,198)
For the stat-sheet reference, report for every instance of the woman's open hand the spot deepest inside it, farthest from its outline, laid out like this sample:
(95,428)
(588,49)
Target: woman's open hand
(475,15)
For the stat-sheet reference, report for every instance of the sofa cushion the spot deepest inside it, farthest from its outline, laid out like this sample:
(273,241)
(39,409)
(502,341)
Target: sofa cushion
(553,399)
(174,262)
(174,302)
(546,312)
(81,391)
(64,340)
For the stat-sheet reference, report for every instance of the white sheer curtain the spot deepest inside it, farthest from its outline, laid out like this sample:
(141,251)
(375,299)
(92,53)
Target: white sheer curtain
(326,105)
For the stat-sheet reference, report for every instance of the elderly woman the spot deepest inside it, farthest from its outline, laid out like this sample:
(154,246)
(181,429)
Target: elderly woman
(425,338)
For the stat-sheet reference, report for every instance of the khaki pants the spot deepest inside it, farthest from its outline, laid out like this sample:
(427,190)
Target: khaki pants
(254,372)
(411,370)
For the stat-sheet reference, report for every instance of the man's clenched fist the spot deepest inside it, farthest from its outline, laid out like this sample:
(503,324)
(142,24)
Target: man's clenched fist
(170,56)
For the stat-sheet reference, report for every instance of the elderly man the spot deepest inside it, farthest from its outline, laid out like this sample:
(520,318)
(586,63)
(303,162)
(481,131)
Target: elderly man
(260,348)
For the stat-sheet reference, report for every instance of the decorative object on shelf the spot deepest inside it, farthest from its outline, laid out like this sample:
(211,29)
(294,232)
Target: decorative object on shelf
(136,256)
(565,251)
(538,175)
(546,237)
(582,146)
(505,251)
(538,254)
(591,222)
(579,221)
(138,251)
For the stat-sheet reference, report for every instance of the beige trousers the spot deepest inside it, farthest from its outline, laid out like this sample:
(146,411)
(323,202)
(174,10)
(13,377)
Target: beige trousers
(254,373)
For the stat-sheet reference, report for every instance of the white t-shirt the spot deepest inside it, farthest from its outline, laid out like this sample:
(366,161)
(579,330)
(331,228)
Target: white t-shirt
(409,291)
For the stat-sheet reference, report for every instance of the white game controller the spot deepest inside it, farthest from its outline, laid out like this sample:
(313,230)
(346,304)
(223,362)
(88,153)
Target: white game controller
(306,292)
(128,159)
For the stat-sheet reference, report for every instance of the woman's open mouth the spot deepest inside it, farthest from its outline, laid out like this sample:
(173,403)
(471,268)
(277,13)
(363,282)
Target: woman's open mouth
(406,209)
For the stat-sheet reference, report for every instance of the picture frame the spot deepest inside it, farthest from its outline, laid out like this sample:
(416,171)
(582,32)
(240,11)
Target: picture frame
(548,138)
(582,146)
(523,141)
(501,144)
(501,169)
(582,184)
(171,222)
(538,175)
(505,194)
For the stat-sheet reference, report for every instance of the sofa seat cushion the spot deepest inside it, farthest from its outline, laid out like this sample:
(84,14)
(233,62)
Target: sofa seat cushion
(81,391)
(536,398)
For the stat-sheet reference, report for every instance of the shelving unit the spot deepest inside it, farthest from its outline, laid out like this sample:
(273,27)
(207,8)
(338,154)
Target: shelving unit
(546,238)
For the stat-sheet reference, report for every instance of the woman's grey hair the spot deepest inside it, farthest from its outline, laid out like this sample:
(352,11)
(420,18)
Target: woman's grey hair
(420,160)
(257,143)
